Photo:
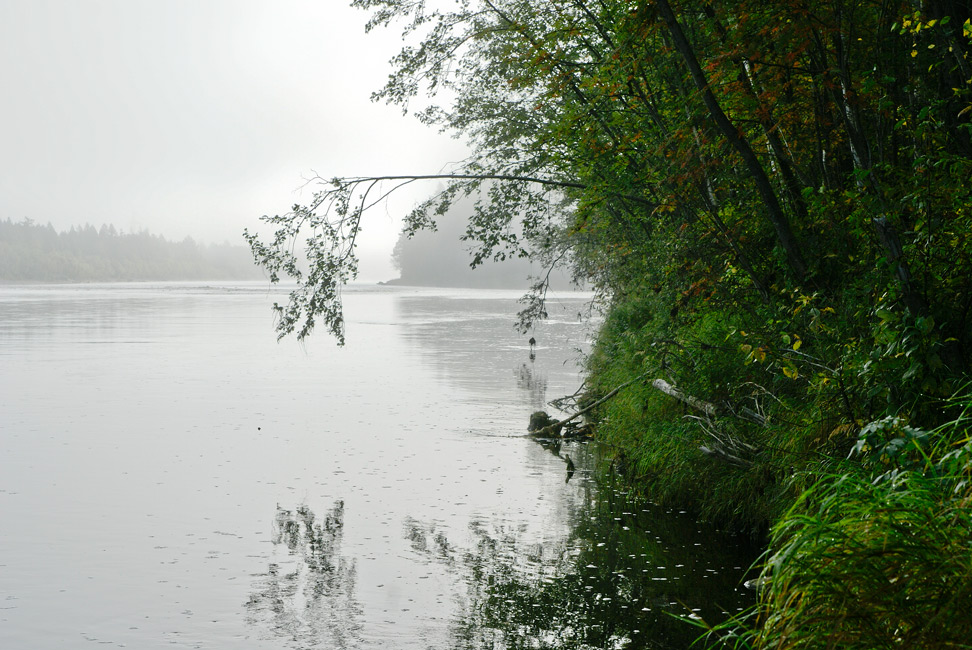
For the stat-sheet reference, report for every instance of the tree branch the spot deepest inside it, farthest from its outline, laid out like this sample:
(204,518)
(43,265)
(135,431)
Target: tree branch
(699,405)
(351,181)
(553,428)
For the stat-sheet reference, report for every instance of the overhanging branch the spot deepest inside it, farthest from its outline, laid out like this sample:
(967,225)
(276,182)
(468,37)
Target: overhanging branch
(328,227)
(352,181)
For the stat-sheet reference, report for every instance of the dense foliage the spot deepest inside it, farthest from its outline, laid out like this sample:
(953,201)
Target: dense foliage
(30,252)
(774,198)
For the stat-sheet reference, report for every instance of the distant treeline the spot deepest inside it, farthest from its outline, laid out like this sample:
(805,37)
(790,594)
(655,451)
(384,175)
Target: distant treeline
(30,252)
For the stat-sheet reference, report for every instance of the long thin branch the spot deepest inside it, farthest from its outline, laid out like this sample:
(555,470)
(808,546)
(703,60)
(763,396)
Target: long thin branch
(357,180)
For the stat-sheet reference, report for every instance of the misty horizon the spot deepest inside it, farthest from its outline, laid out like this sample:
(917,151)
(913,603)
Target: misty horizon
(193,120)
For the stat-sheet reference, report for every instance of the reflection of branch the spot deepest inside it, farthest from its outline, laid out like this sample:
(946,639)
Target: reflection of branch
(532,381)
(309,593)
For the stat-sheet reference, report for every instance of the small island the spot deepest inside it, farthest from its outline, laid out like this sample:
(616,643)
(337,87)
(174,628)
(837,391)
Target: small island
(441,258)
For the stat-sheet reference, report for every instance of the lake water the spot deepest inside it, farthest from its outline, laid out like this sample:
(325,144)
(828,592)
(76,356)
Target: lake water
(171,476)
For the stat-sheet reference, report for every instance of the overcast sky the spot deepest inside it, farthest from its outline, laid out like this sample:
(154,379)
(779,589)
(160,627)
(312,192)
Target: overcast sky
(195,117)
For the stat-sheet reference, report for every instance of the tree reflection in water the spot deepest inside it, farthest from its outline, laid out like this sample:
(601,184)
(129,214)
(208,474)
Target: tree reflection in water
(308,595)
(615,581)
(627,568)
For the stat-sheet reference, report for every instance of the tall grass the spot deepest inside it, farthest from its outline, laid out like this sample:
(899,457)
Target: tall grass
(878,559)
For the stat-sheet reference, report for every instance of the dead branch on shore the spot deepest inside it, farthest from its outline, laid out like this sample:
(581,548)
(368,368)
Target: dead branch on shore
(554,428)
(724,446)
(698,404)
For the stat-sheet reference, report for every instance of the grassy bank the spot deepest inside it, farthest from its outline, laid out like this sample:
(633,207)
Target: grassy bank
(729,443)
(878,554)
(860,483)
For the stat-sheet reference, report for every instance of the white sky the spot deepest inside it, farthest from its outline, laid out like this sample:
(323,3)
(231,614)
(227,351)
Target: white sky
(195,117)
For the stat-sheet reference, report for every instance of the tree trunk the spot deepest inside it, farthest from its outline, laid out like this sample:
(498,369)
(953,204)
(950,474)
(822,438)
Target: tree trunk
(784,233)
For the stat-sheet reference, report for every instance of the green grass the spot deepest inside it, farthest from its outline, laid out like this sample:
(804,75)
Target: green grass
(878,559)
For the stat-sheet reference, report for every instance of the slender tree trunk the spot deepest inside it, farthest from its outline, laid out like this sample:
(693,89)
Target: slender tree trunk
(777,217)
(863,162)
(787,168)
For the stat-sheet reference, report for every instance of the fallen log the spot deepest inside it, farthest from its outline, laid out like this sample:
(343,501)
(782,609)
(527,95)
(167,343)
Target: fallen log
(723,447)
(698,404)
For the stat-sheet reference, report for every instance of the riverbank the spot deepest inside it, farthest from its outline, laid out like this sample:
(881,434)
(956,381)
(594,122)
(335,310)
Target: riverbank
(866,523)
(307,512)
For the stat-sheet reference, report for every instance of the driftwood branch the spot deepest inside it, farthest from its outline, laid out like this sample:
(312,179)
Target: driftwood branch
(710,409)
(561,403)
(717,451)
(555,427)
(699,405)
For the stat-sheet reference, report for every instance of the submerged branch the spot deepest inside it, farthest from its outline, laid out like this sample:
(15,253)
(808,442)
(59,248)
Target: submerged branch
(555,427)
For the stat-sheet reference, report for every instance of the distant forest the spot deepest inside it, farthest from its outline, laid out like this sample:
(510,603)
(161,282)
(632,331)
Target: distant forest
(33,253)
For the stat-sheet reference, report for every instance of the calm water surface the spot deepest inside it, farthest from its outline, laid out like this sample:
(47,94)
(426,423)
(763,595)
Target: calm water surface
(171,476)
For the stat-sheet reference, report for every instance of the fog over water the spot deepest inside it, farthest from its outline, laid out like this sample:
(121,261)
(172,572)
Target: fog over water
(170,476)
(195,118)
